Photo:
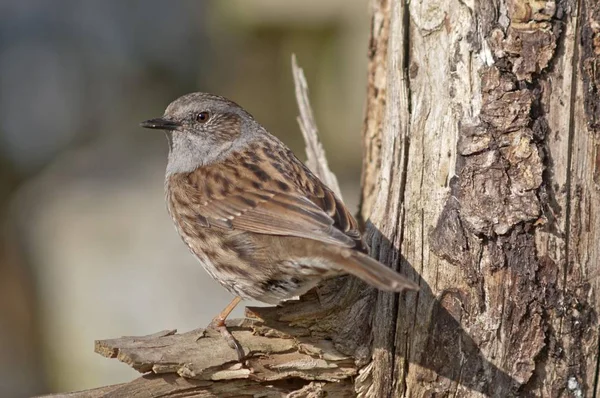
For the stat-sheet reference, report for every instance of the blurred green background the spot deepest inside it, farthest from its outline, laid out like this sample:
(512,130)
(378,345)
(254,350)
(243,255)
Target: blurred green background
(87,250)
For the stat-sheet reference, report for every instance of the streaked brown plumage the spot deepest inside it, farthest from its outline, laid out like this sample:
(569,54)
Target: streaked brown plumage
(258,220)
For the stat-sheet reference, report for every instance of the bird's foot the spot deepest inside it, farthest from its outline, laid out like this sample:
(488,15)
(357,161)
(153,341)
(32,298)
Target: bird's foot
(219,325)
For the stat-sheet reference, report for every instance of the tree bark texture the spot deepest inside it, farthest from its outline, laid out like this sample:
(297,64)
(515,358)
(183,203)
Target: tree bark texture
(482,177)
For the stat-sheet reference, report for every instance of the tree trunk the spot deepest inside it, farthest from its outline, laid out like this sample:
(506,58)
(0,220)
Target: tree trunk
(482,173)
(482,182)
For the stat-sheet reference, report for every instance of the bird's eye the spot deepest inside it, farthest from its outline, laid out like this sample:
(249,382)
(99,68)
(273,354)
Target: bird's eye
(202,117)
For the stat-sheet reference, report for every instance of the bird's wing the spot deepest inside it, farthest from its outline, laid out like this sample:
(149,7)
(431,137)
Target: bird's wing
(274,195)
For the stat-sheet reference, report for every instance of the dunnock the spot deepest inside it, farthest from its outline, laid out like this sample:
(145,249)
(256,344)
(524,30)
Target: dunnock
(258,220)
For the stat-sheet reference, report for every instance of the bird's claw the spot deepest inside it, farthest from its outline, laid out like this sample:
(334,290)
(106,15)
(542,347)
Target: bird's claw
(226,334)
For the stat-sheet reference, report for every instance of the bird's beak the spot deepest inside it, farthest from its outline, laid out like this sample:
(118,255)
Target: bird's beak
(160,124)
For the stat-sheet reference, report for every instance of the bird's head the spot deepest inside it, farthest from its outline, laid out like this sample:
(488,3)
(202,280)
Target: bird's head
(202,129)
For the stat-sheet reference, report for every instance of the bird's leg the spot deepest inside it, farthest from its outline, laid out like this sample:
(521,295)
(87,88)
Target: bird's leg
(219,320)
(218,323)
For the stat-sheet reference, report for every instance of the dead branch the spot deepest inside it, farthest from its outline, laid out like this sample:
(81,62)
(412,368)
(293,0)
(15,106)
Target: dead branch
(315,155)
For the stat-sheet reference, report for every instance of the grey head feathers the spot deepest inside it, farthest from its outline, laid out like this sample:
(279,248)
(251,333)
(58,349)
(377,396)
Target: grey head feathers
(208,128)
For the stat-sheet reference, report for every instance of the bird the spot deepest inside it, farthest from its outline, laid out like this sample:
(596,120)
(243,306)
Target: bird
(256,218)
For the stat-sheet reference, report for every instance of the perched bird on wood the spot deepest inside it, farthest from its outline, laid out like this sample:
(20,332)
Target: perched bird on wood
(256,218)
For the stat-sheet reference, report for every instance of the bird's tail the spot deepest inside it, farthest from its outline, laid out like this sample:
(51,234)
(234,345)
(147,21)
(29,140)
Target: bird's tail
(375,273)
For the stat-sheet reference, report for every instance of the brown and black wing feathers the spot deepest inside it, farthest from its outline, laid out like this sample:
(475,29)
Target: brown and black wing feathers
(251,194)
(280,197)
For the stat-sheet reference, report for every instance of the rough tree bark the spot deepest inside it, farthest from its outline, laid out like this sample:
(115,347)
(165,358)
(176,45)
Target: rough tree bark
(482,157)
(481,180)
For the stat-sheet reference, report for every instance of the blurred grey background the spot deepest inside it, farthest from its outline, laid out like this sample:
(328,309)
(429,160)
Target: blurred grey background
(87,250)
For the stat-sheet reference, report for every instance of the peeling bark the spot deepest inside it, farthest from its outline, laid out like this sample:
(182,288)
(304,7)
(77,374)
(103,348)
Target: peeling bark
(501,199)
(590,63)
